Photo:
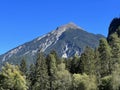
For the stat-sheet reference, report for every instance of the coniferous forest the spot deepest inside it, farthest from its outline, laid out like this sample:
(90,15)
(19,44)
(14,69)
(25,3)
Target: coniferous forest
(95,69)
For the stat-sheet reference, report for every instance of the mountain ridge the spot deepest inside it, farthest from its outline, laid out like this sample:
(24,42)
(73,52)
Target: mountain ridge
(67,40)
(68,25)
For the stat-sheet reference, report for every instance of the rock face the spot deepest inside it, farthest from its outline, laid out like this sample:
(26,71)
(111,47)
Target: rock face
(66,40)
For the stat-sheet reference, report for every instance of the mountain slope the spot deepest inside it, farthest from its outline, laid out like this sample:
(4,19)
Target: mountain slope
(66,40)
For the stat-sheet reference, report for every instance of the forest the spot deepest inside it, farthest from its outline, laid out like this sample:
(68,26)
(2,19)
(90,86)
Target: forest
(95,69)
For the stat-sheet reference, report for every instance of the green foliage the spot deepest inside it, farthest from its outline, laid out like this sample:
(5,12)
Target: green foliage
(64,79)
(88,61)
(115,81)
(84,82)
(106,83)
(12,79)
(58,60)
(23,67)
(97,67)
(41,81)
(74,64)
(105,58)
(114,40)
(31,76)
(115,45)
(52,70)
(80,66)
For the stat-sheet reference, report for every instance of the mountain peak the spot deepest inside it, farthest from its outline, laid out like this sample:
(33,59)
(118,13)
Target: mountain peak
(61,29)
(66,27)
(70,25)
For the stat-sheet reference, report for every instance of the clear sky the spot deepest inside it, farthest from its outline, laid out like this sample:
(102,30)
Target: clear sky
(24,20)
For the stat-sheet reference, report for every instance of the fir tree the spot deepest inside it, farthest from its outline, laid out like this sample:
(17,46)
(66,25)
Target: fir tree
(114,42)
(41,74)
(88,62)
(80,66)
(74,65)
(23,67)
(52,70)
(31,76)
(105,58)
(97,66)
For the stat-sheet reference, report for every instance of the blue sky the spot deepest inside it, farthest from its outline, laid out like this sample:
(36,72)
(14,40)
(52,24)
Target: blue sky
(24,20)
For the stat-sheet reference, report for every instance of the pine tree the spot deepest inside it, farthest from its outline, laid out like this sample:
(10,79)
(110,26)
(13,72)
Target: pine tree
(87,61)
(52,70)
(115,81)
(23,67)
(74,65)
(105,57)
(114,42)
(80,66)
(41,74)
(58,60)
(97,66)
(97,63)
(31,76)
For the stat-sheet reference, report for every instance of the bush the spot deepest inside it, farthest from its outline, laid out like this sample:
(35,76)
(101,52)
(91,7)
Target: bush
(84,82)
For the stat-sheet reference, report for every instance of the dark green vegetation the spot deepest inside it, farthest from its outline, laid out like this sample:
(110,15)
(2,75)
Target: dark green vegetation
(95,69)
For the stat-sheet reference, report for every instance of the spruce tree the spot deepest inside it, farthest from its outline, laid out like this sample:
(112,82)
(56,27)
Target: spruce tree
(97,66)
(115,80)
(52,70)
(74,65)
(58,60)
(114,42)
(88,62)
(31,76)
(23,66)
(80,66)
(41,74)
(105,57)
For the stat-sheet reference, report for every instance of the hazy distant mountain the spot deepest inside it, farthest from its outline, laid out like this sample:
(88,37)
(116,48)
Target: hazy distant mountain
(66,40)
